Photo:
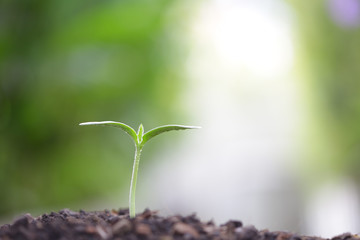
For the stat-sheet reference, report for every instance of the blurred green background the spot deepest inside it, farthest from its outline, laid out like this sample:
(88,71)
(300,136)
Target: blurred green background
(328,60)
(66,62)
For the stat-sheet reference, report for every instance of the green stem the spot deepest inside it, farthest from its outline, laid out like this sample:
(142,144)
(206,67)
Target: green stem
(133,181)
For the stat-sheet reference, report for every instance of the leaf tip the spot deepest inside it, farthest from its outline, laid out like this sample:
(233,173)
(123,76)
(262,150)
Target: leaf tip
(192,127)
(89,123)
(141,130)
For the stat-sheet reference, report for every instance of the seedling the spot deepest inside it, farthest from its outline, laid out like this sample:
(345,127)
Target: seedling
(140,138)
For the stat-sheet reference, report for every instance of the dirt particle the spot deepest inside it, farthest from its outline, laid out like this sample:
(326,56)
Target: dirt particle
(167,237)
(183,228)
(73,220)
(344,236)
(102,233)
(113,219)
(23,220)
(283,236)
(122,226)
(247,233)
(143,229)
(209,229)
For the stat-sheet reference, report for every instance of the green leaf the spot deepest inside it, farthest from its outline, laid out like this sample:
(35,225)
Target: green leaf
(129,130)
(140,133)
(156,131)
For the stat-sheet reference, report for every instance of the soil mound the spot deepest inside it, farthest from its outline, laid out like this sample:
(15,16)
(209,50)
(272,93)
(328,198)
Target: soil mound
(116,225)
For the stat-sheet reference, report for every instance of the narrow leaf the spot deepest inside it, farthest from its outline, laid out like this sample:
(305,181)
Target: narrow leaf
(129,130)
(156,131)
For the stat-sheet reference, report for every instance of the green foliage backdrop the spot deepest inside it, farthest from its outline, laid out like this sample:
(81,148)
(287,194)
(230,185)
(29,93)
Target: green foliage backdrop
(328,33)
(66,62)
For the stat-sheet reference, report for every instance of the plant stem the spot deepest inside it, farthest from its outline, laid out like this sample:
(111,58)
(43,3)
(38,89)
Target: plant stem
(133,181)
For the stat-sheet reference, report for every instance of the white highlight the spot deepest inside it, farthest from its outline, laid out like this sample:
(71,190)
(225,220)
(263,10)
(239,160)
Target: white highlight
(241,92)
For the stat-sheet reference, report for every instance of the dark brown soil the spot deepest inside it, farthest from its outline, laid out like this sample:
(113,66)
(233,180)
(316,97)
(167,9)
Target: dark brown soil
(117,225)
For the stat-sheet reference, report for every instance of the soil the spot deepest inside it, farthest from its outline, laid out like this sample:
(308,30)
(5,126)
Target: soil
(116,225)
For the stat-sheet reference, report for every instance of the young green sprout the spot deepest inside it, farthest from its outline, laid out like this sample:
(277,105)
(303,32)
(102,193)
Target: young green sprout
(140,138)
